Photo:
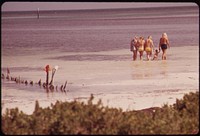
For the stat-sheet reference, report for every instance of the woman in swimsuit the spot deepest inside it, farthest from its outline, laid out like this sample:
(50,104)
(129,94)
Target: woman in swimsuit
(141,42)
(149,47)
(164,44)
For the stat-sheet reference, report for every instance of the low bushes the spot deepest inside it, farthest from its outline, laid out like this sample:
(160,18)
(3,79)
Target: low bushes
(79,118)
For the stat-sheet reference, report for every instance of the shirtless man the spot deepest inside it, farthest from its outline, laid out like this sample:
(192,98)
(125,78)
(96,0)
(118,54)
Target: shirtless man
(141,43)
(164,44)
(149,47)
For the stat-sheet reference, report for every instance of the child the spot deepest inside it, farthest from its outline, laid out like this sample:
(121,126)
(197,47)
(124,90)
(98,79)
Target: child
(156,54)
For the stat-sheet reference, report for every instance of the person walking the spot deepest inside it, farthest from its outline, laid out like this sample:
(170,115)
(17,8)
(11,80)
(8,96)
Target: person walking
(164,44)
(141,43)
(134,48)
(149,47)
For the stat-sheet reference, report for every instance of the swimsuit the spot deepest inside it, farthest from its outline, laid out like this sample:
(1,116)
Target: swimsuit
(148,49)
(164,46)
(141,48)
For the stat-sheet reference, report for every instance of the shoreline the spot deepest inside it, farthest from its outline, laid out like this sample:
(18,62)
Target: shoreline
(113,104)
(123,84)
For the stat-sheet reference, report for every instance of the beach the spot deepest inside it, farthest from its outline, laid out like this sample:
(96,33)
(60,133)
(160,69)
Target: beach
(92,51)
(126,84)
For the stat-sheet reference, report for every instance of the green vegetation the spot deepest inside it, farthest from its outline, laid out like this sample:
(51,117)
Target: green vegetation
(79,118)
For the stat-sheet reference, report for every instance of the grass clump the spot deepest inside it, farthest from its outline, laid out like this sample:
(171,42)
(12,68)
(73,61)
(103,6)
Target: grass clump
(79,118)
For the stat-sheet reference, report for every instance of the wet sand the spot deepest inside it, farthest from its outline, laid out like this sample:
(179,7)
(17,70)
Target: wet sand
(119,82)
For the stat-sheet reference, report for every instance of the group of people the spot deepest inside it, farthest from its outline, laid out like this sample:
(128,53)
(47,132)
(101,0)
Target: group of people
(139,44)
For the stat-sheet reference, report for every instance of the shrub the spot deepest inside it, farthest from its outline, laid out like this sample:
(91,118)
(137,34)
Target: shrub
(79,118)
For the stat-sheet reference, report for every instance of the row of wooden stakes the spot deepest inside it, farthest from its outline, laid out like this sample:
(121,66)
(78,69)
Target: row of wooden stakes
(46,85)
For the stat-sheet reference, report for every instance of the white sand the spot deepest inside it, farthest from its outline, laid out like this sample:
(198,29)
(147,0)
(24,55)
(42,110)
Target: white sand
(123,84)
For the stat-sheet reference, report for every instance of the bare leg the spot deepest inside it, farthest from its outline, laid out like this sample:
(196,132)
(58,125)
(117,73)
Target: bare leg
(151,54)
(148,55)
(141,55)
(165,54)
(134,55)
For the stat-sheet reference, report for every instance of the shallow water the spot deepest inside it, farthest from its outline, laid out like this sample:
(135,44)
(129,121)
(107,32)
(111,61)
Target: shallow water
(96,30)
(111,81)
(92,52)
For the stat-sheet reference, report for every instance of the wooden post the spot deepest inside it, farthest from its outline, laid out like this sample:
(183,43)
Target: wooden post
(47,78)
(53,72)
(47,68)
(38,14)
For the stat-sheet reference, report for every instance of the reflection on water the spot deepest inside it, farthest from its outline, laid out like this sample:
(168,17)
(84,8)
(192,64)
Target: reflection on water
(149,69)
(164,67)
(51,93)
(142,75)
(142,69)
